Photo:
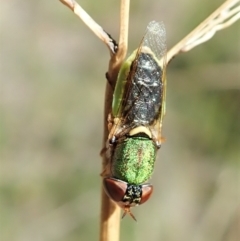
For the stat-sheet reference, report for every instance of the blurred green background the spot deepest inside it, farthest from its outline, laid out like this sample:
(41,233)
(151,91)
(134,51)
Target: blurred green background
(51,107)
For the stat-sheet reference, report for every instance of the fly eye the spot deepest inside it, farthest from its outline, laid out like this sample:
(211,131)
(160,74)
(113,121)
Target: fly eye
(115,188)
(147,190)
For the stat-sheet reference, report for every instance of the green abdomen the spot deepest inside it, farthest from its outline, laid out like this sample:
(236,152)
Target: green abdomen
(133,160)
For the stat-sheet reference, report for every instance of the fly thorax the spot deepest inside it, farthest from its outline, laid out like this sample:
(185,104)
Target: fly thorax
(133,159)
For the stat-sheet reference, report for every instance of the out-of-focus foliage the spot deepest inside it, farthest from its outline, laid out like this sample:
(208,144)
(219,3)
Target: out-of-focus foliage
(51,105)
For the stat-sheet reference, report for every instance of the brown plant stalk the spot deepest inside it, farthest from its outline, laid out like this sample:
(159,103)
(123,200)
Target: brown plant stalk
(110,212)
(223,17)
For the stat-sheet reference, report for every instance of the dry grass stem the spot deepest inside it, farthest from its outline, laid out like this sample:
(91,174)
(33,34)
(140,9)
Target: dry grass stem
(117,60)
(96,28)
(110,212)
(224,16)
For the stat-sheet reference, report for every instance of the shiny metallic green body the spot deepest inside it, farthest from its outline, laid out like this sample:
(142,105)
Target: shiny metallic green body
(133,160)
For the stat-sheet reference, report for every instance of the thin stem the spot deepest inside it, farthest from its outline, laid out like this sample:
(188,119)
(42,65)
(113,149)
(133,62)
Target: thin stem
(124,24)
(117,59)
(223,17)
(110,212)
(96,28)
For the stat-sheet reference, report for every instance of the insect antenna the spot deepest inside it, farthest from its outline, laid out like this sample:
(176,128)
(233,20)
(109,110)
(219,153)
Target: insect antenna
(127,210)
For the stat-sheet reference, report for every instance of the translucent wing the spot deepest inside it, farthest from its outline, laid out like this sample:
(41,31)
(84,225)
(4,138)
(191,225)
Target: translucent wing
(155,39)
(140,92)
